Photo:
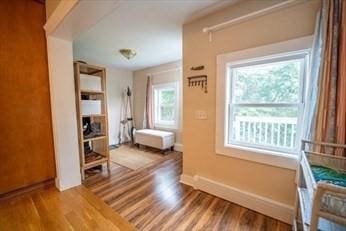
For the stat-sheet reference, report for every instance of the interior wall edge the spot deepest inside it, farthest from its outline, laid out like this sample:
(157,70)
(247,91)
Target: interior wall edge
(178,147)
(59,13)
(64,118)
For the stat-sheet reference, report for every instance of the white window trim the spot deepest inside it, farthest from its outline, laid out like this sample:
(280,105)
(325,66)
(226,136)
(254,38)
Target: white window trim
(175,85)
(274,158)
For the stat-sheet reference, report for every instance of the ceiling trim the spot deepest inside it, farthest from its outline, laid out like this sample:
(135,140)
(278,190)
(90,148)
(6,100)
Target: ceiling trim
(62,10)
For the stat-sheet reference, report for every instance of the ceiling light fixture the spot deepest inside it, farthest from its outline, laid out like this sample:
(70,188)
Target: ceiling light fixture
(128,53)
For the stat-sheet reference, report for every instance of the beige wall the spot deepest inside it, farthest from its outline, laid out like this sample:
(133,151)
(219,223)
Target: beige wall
(199,135)
(51,5)
(161,74)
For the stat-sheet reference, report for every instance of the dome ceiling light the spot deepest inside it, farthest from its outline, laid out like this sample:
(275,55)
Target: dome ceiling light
(128,53)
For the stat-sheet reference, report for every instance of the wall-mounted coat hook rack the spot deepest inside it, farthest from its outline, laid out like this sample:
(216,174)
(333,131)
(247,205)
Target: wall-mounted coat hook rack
(198,68)
(199,80)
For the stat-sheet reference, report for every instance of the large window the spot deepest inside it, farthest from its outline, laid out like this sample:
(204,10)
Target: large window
(260,102)
(265,102)
(165,105)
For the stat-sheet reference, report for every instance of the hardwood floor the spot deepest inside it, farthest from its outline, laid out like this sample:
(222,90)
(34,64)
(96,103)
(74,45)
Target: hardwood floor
(150,198)
(153,199)
(49,209)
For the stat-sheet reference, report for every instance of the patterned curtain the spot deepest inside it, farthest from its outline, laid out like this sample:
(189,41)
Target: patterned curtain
(328,71)
(148,111)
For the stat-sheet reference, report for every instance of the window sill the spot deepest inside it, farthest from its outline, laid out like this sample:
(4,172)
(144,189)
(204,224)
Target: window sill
(163,127)
(277,159)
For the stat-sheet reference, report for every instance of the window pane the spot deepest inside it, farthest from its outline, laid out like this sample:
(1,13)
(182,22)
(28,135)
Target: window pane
(274,127)
(276,82)
(167,97)
(167,113)
(165,105)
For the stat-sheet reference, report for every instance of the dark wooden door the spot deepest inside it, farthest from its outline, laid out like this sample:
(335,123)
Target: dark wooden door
(26,139)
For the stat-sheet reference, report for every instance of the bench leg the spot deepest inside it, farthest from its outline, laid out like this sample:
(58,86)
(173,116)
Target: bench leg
(168,150)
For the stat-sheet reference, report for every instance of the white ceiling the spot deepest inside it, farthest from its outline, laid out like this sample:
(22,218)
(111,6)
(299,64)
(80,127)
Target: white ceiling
(152,28)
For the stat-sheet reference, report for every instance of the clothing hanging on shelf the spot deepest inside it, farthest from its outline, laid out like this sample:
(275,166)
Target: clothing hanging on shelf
(126,120)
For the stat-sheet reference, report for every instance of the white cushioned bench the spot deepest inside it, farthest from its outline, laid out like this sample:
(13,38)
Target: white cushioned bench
(155,138)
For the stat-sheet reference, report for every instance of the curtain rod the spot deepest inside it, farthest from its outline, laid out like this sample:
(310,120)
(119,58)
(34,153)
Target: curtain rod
(251,15)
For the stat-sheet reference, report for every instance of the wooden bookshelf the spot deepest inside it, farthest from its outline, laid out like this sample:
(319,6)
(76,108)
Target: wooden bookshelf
(97,143)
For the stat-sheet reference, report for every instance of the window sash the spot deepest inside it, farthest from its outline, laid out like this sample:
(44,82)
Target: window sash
(271,147)
(299,105)
(158,89)
(303,57)
(160,119)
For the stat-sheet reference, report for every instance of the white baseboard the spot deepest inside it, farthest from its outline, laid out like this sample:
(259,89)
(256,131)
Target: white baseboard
(178,147)
(62,186)
(264,205)
(188,180)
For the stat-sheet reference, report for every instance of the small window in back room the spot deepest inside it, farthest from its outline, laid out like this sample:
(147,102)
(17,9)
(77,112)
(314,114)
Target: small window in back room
(165,105)
(265,103)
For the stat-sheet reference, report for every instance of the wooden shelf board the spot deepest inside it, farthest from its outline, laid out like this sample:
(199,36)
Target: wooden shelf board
(93,115)
(95,163)
(95,138)
(89,69)
(91,92)
(90,72)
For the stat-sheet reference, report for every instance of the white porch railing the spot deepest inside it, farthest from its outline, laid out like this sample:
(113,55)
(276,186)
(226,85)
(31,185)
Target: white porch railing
(272,131)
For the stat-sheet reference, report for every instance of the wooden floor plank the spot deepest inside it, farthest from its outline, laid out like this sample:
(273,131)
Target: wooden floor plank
(229,218)
(152,198)
(269,224)
(162,207)
(196,214)
(49,209)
